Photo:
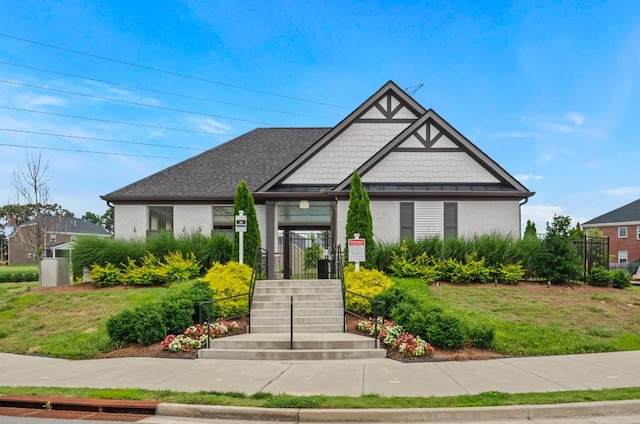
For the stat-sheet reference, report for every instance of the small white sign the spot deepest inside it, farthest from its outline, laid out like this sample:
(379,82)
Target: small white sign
(241,223)
(356,250)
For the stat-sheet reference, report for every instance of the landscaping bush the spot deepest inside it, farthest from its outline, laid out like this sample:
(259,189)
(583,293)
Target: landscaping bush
(559,262)
(150,322)
(106,276)
(481,336)
(368,283)
(148,273)
(445,330)
(620,279)
(178,267)
(509,274)
(228,280)
(599,276)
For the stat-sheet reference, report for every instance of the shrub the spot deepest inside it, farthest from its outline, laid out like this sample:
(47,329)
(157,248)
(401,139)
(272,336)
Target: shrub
(122,327)
(107,275)
(368,283)
(598,276)
(445,330)
(560,261)
(509,274)
(229,280)
(150,327)
(179,267)
(620,279)
(150,271)
(177,314)
(481,336)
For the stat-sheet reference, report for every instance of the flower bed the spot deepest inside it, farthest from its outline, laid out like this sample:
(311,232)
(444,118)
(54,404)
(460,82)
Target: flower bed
(195,337)
(396,338)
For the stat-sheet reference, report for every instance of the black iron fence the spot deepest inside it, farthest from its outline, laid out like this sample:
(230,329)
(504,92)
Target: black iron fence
(304,254)
(594,252)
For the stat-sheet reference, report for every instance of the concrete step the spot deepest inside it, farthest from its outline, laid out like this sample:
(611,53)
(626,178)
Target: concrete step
(296,298)
(299,342)
(296,290)
(298,305)
(297,320)
(291,355)
(285,313)
(300,328)
(288,283)
(306,346)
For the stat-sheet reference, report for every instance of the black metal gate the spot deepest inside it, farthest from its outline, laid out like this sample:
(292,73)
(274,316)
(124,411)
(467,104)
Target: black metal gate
(304,254)
(594,252)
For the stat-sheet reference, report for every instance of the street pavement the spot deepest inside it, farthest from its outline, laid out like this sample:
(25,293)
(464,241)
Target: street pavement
(384,377)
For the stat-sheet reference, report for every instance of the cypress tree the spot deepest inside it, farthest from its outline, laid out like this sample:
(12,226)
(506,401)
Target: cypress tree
(359,218)
(243,201)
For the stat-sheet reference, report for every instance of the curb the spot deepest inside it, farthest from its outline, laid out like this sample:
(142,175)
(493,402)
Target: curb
(488,413)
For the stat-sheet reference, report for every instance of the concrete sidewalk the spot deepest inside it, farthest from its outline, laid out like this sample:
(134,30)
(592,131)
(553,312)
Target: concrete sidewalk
(347,377)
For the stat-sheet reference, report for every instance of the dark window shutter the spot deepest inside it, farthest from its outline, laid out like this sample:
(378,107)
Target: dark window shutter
(406,220)
(450,219)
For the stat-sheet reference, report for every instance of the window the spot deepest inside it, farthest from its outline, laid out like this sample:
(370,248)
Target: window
(622,232)
(223,219)
(407,220)
(638,231)
(450,219)
(622,256)
(74,238)
(54,237)
(29,255)
(160,218)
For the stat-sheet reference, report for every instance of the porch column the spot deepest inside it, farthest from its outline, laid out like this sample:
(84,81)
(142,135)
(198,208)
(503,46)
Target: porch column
(272,233)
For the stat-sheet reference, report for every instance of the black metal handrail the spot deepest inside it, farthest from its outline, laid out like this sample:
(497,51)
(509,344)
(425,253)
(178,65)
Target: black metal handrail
(210,303)
(379,312)
(291,325)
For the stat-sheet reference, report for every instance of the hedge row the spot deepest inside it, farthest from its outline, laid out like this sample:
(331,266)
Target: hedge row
(19,277)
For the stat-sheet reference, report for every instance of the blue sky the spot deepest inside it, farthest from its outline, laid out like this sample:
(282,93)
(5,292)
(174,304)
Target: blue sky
(549,89)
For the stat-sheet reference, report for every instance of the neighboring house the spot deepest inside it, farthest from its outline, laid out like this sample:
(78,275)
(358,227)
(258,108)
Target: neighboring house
(622,226)
(57,235)
(424,179)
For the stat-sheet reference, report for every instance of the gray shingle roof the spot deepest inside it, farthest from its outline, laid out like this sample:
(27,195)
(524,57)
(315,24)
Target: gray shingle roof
(255,156)
(59,224)
(626,213)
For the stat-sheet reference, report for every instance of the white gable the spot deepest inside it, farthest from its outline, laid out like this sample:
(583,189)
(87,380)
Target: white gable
(430,166)
(444,143)
(346,153)
(412,143)
(373,113)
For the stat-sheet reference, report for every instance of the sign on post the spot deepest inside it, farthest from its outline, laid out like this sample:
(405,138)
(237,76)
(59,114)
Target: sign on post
(241,228)
(357,251)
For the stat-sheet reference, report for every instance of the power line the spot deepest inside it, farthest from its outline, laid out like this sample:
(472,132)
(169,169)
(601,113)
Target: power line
(87,151)
(111,99)
(110,121)
(152,90)
(177,74)
(108,140)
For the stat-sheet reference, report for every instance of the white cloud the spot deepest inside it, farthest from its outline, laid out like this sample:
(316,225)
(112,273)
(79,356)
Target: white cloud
(210,125)
(574,117)
(623,191)
(527,177)
(44,100)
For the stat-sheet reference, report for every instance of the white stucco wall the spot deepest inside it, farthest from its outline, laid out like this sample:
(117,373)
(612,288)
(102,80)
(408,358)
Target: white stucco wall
(346,153)
(341,233)
(261,215)
(440,167)
(189,219)
(481,217)
(386,220)
(130,221)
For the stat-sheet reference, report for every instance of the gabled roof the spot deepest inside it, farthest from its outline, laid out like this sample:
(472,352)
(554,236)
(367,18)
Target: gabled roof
(58,224)
(429,118)
(390,86)
(255,156)
(627,213)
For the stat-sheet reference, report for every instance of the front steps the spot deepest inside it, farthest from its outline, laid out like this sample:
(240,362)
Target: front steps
(318,326)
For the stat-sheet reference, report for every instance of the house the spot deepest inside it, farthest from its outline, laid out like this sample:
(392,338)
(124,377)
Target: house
(622,226)
(424,179)
(57,235)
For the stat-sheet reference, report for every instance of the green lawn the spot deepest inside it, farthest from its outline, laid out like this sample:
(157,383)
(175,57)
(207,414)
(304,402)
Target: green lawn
(531,319)
(5,269)
(70,325)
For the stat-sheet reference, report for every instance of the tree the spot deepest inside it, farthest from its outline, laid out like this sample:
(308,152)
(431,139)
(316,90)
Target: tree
(32,204)
(530,230)
(359,220)
(92,217)
(559,262)
(105,220)
(243,201)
